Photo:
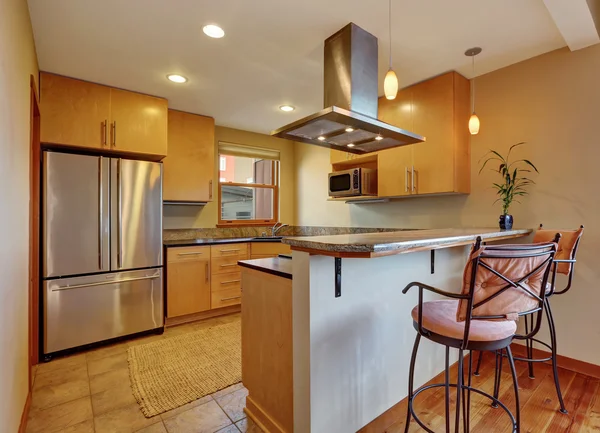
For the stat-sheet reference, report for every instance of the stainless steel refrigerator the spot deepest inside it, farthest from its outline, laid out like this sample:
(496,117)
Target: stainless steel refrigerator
(102,249)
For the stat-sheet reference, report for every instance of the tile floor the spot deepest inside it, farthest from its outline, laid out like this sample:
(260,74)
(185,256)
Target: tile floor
(90,392)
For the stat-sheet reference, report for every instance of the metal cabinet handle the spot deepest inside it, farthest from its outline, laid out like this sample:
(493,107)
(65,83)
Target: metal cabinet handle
(105,283)
(230,281)
(196,253)
(412,180)
(210,188)
(231,299)
(230,251)
(114,133)
(405,179)
(119,217)
(103,132)
(206,271)
(100,216)
(228,265)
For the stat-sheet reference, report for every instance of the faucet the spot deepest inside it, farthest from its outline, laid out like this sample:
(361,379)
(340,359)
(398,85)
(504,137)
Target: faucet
(278,226)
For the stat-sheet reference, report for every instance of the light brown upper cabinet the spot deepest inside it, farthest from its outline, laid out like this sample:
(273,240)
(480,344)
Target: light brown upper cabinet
(74,112)
(87,115)
(189,169)
(437,109)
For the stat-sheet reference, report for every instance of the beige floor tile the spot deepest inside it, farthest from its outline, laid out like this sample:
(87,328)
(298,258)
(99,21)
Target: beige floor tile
(185,407)
(228,390)
(112,398)
(53,395)
(248,426)
(109,363)
(230,318)
(123,420)
(108,380)
(82,427)
(159,427)
(206,418)
(61,363)
(229,429)
(233,404)
(59,417)
(103,352)
(60,376)
(144,340)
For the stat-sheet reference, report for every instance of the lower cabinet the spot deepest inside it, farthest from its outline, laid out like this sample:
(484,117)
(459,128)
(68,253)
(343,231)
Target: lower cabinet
(188,280)
(263,250)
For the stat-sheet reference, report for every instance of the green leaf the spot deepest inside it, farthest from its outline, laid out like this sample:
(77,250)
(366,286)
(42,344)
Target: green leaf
(512,147)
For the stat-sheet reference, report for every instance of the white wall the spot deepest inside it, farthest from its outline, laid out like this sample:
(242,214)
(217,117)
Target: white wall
(17,63)
(552,102)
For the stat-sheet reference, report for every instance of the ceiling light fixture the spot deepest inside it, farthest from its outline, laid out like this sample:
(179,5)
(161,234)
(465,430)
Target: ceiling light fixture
(286,108)
(176,78)
(321,138)
(213,31)
(379,138)
(390,83)
(349,129)
(474,120)
(350,145)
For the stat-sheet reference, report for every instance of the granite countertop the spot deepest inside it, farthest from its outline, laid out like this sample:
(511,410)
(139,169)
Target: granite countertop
(382,244)
(215,241)
(280,266)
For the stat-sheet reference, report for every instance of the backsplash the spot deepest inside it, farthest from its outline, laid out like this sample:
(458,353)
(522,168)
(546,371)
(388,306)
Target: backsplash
(250,232)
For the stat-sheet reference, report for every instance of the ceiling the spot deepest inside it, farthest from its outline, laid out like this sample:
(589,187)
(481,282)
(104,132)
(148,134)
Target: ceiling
(272,53)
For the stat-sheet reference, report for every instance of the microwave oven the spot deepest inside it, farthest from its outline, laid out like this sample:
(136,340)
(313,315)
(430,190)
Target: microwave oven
(353,182)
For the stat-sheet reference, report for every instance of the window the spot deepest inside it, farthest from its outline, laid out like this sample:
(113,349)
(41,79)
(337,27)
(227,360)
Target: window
(248,185)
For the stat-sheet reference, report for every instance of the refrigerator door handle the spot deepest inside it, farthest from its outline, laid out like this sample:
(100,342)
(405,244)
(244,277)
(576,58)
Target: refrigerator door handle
(105,283)
(100,215)
(119,216)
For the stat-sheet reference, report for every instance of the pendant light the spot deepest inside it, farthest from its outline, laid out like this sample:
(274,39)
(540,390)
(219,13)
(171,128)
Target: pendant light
(390,83)
(474,120)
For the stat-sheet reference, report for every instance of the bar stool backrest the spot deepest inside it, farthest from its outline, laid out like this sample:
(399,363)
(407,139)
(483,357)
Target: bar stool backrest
(504,282)
(567,246)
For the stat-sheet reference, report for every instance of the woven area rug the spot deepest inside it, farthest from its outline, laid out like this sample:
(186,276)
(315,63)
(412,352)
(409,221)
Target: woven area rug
(169,373)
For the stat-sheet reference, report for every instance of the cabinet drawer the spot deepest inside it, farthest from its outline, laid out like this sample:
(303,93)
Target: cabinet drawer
(229,250)
(232,280)
(225,265)
(224,298)
(183,254)
(269,248)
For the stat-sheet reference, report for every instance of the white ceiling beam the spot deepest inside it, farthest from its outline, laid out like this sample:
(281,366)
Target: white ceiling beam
(574,21)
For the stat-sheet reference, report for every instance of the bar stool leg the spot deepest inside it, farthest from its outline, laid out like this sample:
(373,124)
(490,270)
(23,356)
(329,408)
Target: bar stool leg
(511,362)
(563,409)
(498,376)
(467,398)
(411,375)
(479,363)
(447,393)
(459,388)
(529,345)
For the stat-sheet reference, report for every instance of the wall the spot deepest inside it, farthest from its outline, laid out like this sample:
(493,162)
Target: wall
(17,63)
(207,216)
(551,102)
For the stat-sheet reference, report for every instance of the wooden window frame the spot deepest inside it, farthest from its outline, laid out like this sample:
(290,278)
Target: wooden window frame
(255,222)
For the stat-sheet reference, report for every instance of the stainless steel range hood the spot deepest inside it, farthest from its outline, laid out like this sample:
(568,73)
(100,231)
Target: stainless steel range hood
(351,100)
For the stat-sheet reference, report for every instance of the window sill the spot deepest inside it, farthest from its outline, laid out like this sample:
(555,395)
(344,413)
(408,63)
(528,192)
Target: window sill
(222,224)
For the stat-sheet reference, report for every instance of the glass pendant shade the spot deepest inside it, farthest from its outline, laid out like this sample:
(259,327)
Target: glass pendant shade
(474,124)
(390,85)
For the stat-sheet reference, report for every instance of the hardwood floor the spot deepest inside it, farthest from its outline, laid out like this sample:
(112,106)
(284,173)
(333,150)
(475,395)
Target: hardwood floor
(539,403)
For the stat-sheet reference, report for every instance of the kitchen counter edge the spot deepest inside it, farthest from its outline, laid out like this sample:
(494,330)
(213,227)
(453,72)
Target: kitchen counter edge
(278,266)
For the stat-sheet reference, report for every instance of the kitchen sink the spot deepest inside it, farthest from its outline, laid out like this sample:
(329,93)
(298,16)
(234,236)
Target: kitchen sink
(268,238)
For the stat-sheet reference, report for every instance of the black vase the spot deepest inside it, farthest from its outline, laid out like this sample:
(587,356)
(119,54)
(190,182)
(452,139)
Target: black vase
(506,222)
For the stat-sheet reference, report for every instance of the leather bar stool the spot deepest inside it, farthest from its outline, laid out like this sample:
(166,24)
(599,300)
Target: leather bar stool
(564,263)
(500,284)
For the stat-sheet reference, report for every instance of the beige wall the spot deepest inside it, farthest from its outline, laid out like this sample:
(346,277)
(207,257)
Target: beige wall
(553,103)
(207,216)
(17,63)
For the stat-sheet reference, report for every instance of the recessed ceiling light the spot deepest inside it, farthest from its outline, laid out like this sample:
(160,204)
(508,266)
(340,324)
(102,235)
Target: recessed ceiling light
(287,108)
(321,138)
(349,129)
(176,78)
(379,137)
(350,145)
(213,31)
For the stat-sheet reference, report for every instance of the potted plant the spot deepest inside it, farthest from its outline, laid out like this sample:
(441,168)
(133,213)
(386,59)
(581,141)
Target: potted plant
(514,181)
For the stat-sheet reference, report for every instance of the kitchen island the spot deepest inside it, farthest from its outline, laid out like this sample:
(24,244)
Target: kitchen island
(352,328)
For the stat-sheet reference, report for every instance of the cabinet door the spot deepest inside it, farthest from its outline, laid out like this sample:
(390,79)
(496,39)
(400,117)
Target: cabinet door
(138,123)
(189,168)
(433,117)
(188,281)
(73,112)
(394,165)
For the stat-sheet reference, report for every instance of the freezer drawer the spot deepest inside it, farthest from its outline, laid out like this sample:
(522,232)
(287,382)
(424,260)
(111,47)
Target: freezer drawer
(85,310)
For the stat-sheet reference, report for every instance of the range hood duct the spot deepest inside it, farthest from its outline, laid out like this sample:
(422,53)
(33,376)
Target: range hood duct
(350,87)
